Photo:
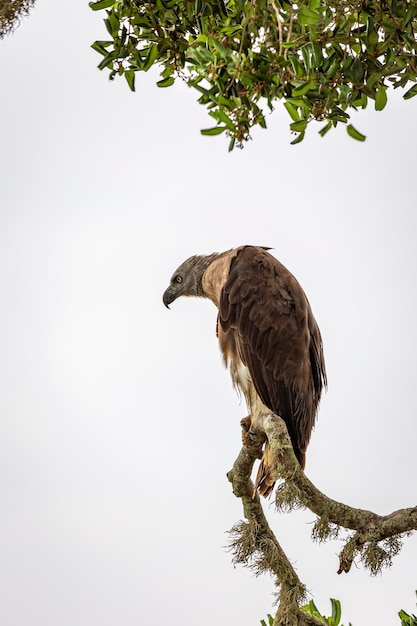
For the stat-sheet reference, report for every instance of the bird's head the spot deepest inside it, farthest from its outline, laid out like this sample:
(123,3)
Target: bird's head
(187,279)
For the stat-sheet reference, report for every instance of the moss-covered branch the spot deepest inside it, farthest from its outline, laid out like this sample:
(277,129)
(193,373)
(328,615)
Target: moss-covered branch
(11,14)
(375,539)
(254,544)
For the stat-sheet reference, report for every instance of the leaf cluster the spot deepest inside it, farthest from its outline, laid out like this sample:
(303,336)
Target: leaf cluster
(335,617)
(241,56)
(332,620)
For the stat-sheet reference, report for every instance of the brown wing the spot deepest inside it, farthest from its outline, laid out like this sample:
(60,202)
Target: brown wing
(278,339)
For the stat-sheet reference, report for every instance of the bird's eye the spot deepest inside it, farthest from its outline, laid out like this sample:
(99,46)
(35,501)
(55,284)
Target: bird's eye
(178,279)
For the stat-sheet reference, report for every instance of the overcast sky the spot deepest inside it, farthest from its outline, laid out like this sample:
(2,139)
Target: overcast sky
(118,422)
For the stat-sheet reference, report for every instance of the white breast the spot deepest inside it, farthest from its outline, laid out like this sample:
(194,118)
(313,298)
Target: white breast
(242,379)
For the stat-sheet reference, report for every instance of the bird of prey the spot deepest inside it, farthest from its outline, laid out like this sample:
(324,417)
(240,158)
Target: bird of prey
(268,337)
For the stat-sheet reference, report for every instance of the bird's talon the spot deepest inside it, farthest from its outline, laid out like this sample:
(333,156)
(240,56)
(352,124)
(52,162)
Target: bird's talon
(246,423)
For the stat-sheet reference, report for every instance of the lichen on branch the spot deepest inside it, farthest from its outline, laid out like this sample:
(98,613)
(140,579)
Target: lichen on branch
(11,14)
(373,539)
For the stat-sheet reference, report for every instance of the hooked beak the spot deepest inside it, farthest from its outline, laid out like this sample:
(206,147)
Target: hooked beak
(169,297)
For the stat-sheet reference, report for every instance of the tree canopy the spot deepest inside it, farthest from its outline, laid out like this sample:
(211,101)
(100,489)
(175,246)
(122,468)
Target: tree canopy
(321,58)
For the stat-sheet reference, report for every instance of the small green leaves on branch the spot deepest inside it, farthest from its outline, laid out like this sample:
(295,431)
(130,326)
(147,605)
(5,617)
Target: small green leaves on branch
(333,619)
(321,58)
(242,56)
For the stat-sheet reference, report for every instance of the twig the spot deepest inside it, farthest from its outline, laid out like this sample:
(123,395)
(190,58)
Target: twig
(277,15)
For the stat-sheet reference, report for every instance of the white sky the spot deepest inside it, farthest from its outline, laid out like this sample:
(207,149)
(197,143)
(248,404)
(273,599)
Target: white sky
(118,422)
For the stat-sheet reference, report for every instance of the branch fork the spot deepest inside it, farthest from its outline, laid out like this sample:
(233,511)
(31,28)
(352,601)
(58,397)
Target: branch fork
(375,539)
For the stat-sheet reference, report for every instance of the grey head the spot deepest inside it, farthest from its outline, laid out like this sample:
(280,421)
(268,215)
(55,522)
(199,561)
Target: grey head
(187,279)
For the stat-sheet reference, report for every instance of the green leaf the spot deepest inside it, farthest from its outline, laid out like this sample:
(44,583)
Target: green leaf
(355,134)
(229,104)
(130,77)
(307,16)
(336,612)
(360,101)
(151,57)
(403,615)
(223,8)
(100,46)
(410,93)
(201,38)
(380,99)
(358,71)
(166,82)
(296,65)
(318,55)
(107,61)
(112,23)
(294,114)
(219,47)
(372,33)
(306,54)
(216,130)
(311,609)
(221,116)
(409,14)
(262,121)
(102,4)
(229,31)
(298,139)
(299,126)
(325,129)
(303,88)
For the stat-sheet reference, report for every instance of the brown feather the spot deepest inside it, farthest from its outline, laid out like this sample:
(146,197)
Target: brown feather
(265,310)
